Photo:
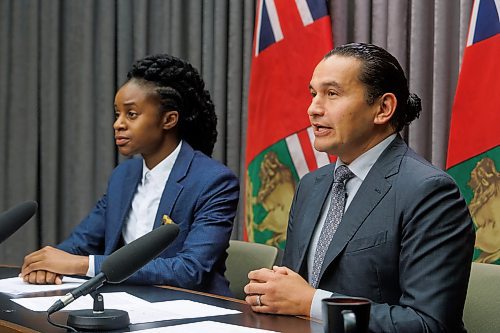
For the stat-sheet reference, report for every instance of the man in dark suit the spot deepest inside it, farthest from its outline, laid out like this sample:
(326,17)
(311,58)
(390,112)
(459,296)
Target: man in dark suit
(403,236)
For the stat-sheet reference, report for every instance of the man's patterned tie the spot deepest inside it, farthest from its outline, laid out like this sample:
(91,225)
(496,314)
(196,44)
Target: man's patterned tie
(333,218)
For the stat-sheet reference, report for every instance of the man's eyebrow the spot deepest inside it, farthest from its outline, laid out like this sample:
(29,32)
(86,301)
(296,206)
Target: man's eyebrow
(328,84)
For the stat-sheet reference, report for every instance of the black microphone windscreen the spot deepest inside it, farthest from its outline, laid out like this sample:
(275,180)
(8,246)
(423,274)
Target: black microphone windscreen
(126,260)
(14,218)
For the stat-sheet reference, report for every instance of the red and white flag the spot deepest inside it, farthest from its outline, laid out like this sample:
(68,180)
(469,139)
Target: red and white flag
(474,145)
(290,38)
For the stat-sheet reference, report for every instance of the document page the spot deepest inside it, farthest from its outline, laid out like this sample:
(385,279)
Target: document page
(111,301)
(16,286)
(139,310)
(205,327)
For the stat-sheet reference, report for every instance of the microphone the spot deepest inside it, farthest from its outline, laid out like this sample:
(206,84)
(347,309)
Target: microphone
(14,218)
(122,263)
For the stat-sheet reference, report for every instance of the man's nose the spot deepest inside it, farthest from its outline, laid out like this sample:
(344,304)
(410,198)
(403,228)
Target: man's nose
(315,108)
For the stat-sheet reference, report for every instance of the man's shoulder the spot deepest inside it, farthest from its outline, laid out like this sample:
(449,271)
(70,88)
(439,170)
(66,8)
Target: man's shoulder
(417,166)
(402,160)
(415,172)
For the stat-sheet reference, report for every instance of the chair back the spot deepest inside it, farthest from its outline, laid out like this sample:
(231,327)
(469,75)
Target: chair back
(482,305)
(243,257)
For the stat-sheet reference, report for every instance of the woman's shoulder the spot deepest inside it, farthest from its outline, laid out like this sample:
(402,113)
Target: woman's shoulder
(128,165)
(208,165)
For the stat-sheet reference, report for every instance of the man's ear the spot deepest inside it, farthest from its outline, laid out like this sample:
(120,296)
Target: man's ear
(170,119)
(387,106)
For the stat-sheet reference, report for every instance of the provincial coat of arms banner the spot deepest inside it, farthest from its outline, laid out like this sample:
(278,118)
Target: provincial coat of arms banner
(290,38)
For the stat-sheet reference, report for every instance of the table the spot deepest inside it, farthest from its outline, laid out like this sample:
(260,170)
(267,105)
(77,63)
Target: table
(17,319)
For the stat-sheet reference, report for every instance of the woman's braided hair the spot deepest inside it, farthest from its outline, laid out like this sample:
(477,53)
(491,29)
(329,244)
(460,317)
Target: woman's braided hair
(181,88)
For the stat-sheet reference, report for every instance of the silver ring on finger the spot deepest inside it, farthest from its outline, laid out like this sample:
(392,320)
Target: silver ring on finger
(259,302)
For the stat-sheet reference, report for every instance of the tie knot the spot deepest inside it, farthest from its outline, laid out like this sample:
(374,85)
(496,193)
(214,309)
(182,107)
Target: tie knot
(342,173)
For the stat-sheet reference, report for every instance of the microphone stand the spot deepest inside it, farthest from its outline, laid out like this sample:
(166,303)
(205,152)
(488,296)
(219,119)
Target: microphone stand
(98,318)
(137,253)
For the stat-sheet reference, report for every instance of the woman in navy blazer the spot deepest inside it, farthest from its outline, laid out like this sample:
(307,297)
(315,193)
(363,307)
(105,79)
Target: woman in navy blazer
(163,113)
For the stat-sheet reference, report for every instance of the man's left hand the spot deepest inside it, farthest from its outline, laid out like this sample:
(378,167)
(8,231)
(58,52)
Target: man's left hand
(280,291)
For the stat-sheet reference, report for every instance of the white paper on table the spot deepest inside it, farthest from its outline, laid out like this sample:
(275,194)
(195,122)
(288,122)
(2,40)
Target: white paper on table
(114,300)
(179,309)
(139,310)
(16,285)
(205,327)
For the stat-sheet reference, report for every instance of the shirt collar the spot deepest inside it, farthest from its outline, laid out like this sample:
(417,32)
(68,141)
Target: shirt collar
(161,171)
(363,163)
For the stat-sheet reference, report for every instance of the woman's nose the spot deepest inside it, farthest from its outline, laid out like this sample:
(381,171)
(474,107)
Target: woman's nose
(119,123)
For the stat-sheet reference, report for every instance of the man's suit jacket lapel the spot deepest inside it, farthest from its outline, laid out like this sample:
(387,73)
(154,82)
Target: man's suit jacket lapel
(319,194)
(372,190)
(173,188)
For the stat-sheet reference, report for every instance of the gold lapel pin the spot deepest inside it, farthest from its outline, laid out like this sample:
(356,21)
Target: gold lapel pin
(167,220)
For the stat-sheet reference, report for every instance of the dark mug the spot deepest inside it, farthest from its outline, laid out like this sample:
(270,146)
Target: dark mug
(344,314)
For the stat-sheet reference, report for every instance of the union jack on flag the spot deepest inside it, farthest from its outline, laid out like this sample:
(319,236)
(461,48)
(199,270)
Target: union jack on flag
(485,21)
(290,38)
(268,22)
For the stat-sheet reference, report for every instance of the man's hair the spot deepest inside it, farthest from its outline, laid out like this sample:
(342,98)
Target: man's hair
(181,88)
(381,73)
